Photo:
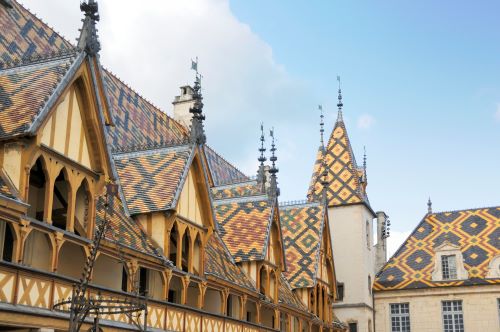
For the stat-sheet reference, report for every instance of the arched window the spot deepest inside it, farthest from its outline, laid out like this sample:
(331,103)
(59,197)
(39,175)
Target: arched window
(272,285)
(7,243)
(197,250)
(110,273)
(263,280)
(175,290)
(186,248)
(150,283)
(71,260)
(38,251)
(172,249)
(251,311)
(213,301)
(82,209)
(37,190)
(368,234)
(233,306)
(60,201)
(193,294)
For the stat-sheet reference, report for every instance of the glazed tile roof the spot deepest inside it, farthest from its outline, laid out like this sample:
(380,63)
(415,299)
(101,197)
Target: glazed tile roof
(344,181)
(243,189)
(138,123)
(25,90)
(302,228)
(475,231)
(221,170)
(219,263)
(287,296)
(150,179)
(123,229)
(244,226)
(24,35)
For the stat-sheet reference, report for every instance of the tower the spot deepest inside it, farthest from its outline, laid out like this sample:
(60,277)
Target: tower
(351,223)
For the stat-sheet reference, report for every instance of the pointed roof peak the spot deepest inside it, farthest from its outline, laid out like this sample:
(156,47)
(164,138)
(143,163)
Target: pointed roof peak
(273,186)
(261,174)
(88,40)
(340,105)
(197,131)
(429,206)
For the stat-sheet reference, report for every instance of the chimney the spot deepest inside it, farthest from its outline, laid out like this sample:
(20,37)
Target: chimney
(382,235)
(182,104)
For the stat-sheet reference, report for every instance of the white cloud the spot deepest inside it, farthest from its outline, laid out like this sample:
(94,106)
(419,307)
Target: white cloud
(497,113)
(365,121)
(395,240)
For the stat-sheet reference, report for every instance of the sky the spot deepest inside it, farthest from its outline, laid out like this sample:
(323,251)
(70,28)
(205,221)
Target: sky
(420,81)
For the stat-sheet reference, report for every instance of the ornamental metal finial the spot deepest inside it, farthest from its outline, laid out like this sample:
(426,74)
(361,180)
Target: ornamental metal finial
(88,40)
(261,176)
(339,103)
(429,206)
(197,131)
(321,126)
(273,187)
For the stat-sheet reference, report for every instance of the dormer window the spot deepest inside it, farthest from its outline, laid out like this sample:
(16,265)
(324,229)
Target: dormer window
(449,267)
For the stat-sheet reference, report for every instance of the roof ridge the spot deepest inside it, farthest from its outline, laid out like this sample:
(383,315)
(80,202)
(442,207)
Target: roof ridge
(37,58)
(463,210)
(152,150)
(247,178)
(297,203)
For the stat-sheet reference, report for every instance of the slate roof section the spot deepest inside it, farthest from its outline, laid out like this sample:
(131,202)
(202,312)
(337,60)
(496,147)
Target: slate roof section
(243,189)
(344,181)
(138,123)
(150,179)
(302,228)
(219,263)
(123,229)
(244,226)
(475,231)
(221,170)
(25,90)
(287,296)
(24,35)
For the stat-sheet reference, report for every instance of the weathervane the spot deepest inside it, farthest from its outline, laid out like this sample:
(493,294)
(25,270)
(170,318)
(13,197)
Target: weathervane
(197,132)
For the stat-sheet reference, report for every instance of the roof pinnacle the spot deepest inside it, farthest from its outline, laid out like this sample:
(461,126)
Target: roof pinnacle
(273,187)
(197,135)
(322,126)
(88,40)
(261,176)
(429,206)
(339,103)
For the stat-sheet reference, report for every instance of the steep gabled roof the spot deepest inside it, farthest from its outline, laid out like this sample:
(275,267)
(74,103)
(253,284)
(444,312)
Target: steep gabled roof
(288,297)
(476,232)
(24,35)
(344,181)
(151,179)
(244,225)
(302,228)
(219,263)
(222,171)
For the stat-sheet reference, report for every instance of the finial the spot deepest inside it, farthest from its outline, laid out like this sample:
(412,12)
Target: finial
(364,158)
(324,180)
(197,132)
(261,176)
(321,126)
(88,40)
(339,104)
(273,187)
(429,206)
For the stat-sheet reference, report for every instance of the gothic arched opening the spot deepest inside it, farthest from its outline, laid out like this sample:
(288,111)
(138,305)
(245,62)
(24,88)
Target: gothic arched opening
(82,209)
(175,289)
(38,251)
(109,272)
(71,260)
(186,251)
(60,201)
(7,241)
(174,240)
(37,190)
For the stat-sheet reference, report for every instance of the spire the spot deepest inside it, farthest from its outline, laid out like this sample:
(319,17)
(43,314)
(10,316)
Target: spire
(197,132)
(429,206)
(339,103)
(324,180)
(273,187)
(261,176)
(88,40)
(321,126)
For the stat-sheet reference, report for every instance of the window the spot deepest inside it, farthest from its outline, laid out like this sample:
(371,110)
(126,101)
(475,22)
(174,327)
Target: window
(368,234)
(449,267)
(400,317)
(340,291)
(353,327)
(453,317)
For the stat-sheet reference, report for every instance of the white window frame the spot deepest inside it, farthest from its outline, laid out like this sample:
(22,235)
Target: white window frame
(400,316)
(453,314)
(449,267)
(448,249)
(494,268)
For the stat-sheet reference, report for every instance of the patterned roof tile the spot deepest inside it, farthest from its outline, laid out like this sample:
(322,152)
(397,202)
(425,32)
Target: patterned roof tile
(475,231)
(150,179)
(244,226)
(219,263)
(221,170)
(243,189)
(302,228)
(288,297)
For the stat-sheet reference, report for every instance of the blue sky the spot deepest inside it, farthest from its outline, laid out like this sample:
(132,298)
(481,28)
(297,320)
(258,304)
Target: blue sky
(421,86)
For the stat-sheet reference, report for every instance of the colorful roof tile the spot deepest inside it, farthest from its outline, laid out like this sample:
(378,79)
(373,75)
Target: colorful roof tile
(24,35)
(25,90)
(219,263)
(244,226)
(221,170)
(475,231)
(243,189)
(287,296)
(150,179)
(344,181)
(138,123)
(123,229)
(302,228)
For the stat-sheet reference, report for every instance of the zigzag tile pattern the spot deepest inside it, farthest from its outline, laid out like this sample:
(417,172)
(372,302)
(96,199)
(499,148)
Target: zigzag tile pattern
(302,227)
(24,35)
(343,178)
(476,232)
(222,171)
(244,189)
(219,263)
(151,179)
(123,229)
(244,226)
(24,91)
